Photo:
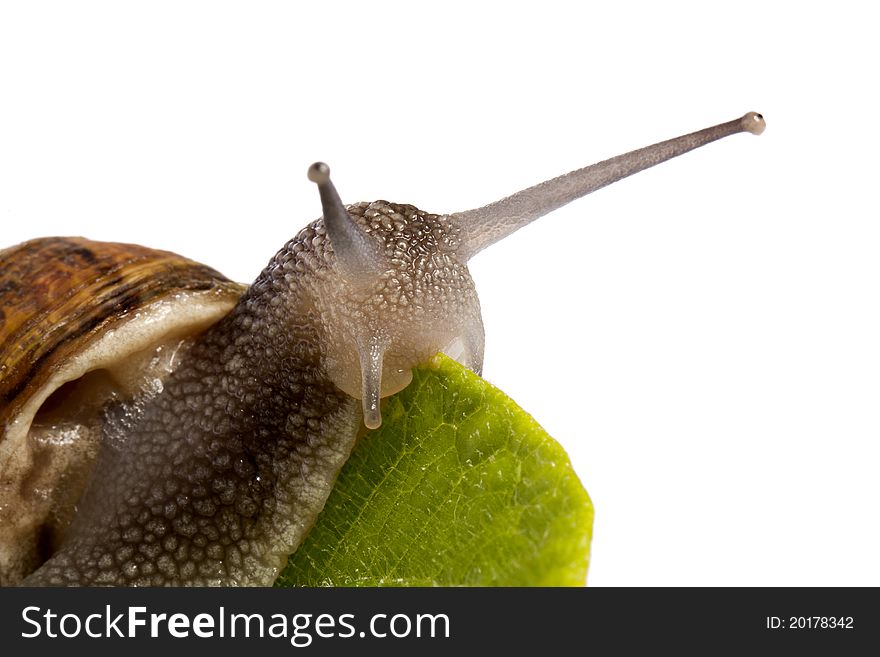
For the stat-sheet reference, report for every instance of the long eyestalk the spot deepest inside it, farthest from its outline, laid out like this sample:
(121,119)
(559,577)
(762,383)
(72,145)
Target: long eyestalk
(357,254)
(486,225)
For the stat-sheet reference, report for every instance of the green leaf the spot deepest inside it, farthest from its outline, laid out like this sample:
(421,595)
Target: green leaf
(458,487)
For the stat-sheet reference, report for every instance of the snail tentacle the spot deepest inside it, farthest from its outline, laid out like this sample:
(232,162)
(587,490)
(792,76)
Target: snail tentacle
(359,256)
(484,226)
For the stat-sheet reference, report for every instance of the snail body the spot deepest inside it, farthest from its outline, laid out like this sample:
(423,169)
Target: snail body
(165,426)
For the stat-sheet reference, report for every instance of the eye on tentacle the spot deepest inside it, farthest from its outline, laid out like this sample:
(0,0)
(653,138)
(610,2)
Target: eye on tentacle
(359,256)
(484,226)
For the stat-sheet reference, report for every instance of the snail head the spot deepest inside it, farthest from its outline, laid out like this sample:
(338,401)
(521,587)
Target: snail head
(403,290)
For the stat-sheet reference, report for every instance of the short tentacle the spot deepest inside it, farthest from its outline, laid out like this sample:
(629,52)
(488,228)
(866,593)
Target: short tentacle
(371,355)
(468,346)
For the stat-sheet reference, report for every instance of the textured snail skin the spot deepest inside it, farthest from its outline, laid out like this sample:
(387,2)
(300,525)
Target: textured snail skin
(217,478)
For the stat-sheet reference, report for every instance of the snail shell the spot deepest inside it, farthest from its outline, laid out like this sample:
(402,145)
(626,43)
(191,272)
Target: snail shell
(81,322)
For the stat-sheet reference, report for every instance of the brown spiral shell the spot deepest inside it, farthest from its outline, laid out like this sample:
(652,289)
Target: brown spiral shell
(57,293)
(59,296)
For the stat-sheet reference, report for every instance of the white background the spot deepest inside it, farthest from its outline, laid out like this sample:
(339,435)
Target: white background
(702,338)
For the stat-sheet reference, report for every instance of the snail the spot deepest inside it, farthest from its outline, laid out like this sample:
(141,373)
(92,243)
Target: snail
(162,425)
